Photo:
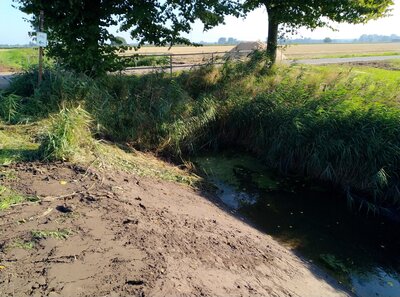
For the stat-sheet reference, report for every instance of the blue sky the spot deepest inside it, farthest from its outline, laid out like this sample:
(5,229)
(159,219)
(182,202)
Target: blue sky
(14,30)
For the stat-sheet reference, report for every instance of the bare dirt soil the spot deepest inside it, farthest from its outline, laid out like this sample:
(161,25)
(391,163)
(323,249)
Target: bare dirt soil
(115,234)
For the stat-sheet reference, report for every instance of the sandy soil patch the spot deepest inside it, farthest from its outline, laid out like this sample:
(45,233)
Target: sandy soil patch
(116,234)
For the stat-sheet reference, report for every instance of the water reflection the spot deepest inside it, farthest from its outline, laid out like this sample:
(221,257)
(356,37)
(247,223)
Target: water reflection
(360,251)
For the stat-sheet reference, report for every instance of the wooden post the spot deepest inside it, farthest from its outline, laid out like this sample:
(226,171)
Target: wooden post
(212,58)
(40,76)
(170,65)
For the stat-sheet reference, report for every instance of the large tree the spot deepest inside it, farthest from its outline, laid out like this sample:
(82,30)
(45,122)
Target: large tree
(79,35)
(289,15)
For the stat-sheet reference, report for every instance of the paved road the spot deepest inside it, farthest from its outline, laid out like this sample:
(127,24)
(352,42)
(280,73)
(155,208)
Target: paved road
(343,60)
(5,79)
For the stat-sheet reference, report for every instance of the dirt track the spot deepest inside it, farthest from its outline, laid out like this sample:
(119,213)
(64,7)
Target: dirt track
(139,237)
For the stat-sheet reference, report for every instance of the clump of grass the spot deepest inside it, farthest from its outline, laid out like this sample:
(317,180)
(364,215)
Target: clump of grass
(9,105)
(56,234)
(16,143)
(9,197)
(8,174)
(143,110)
(58,88)
(21,244)
(108,156)
(68,134)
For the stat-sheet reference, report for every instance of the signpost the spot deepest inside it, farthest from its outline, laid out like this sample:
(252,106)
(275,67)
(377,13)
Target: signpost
(41,39)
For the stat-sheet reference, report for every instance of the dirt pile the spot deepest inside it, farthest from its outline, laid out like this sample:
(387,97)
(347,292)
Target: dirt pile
(118,235)
(245,48)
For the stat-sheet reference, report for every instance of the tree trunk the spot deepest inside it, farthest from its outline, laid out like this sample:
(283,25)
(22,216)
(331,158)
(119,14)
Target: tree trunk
(272,42)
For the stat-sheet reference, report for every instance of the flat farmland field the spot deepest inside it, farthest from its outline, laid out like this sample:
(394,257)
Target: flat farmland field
(18,58)
(204,52)
(308,51)
(182,49)
(299,51)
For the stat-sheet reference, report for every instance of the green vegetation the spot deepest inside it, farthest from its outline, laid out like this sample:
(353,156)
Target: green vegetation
(16,143)
(142,60)
(288,16)
(8,106)
(333,263)
(67,134)
(8,198)
(109,156)
(317,122)
(227,169)
(89,47)
(21,244)
(56,234)
(17,58)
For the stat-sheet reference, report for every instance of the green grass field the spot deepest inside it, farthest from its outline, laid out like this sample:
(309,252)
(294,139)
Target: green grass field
(17,59)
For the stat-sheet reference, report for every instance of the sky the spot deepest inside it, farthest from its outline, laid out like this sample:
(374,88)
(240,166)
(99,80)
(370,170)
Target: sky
(14,30)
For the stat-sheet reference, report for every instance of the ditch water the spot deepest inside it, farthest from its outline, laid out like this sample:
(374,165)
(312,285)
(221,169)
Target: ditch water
(361,251)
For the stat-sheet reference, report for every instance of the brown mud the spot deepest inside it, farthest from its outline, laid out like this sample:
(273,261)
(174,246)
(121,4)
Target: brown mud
(116,234)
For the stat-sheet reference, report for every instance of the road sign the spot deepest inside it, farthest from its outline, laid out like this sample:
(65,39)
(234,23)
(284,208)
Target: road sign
(41,39)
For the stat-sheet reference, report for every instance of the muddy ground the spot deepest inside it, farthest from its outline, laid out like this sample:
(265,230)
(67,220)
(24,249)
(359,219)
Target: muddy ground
(115,234)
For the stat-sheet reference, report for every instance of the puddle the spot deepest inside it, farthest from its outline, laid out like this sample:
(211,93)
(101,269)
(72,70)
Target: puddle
(359,251)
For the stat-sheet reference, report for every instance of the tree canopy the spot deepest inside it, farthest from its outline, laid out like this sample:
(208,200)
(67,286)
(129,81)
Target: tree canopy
(78,29)
(291,14)
(79,34)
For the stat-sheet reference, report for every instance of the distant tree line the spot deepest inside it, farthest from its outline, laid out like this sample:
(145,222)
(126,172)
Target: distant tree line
(230,40)
(365,38)
(378,38)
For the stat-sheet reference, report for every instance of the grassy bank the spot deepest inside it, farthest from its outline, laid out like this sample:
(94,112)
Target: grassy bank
(337,124)
(16,59)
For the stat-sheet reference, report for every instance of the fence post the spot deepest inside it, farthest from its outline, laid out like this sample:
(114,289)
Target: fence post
(40,75)
(170,65)
(212,58)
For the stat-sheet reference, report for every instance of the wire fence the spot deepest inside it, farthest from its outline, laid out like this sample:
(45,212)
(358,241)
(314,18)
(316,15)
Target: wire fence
(171,62)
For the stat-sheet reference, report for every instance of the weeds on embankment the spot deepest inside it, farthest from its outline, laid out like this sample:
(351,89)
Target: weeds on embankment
(331,123)
(68,133)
